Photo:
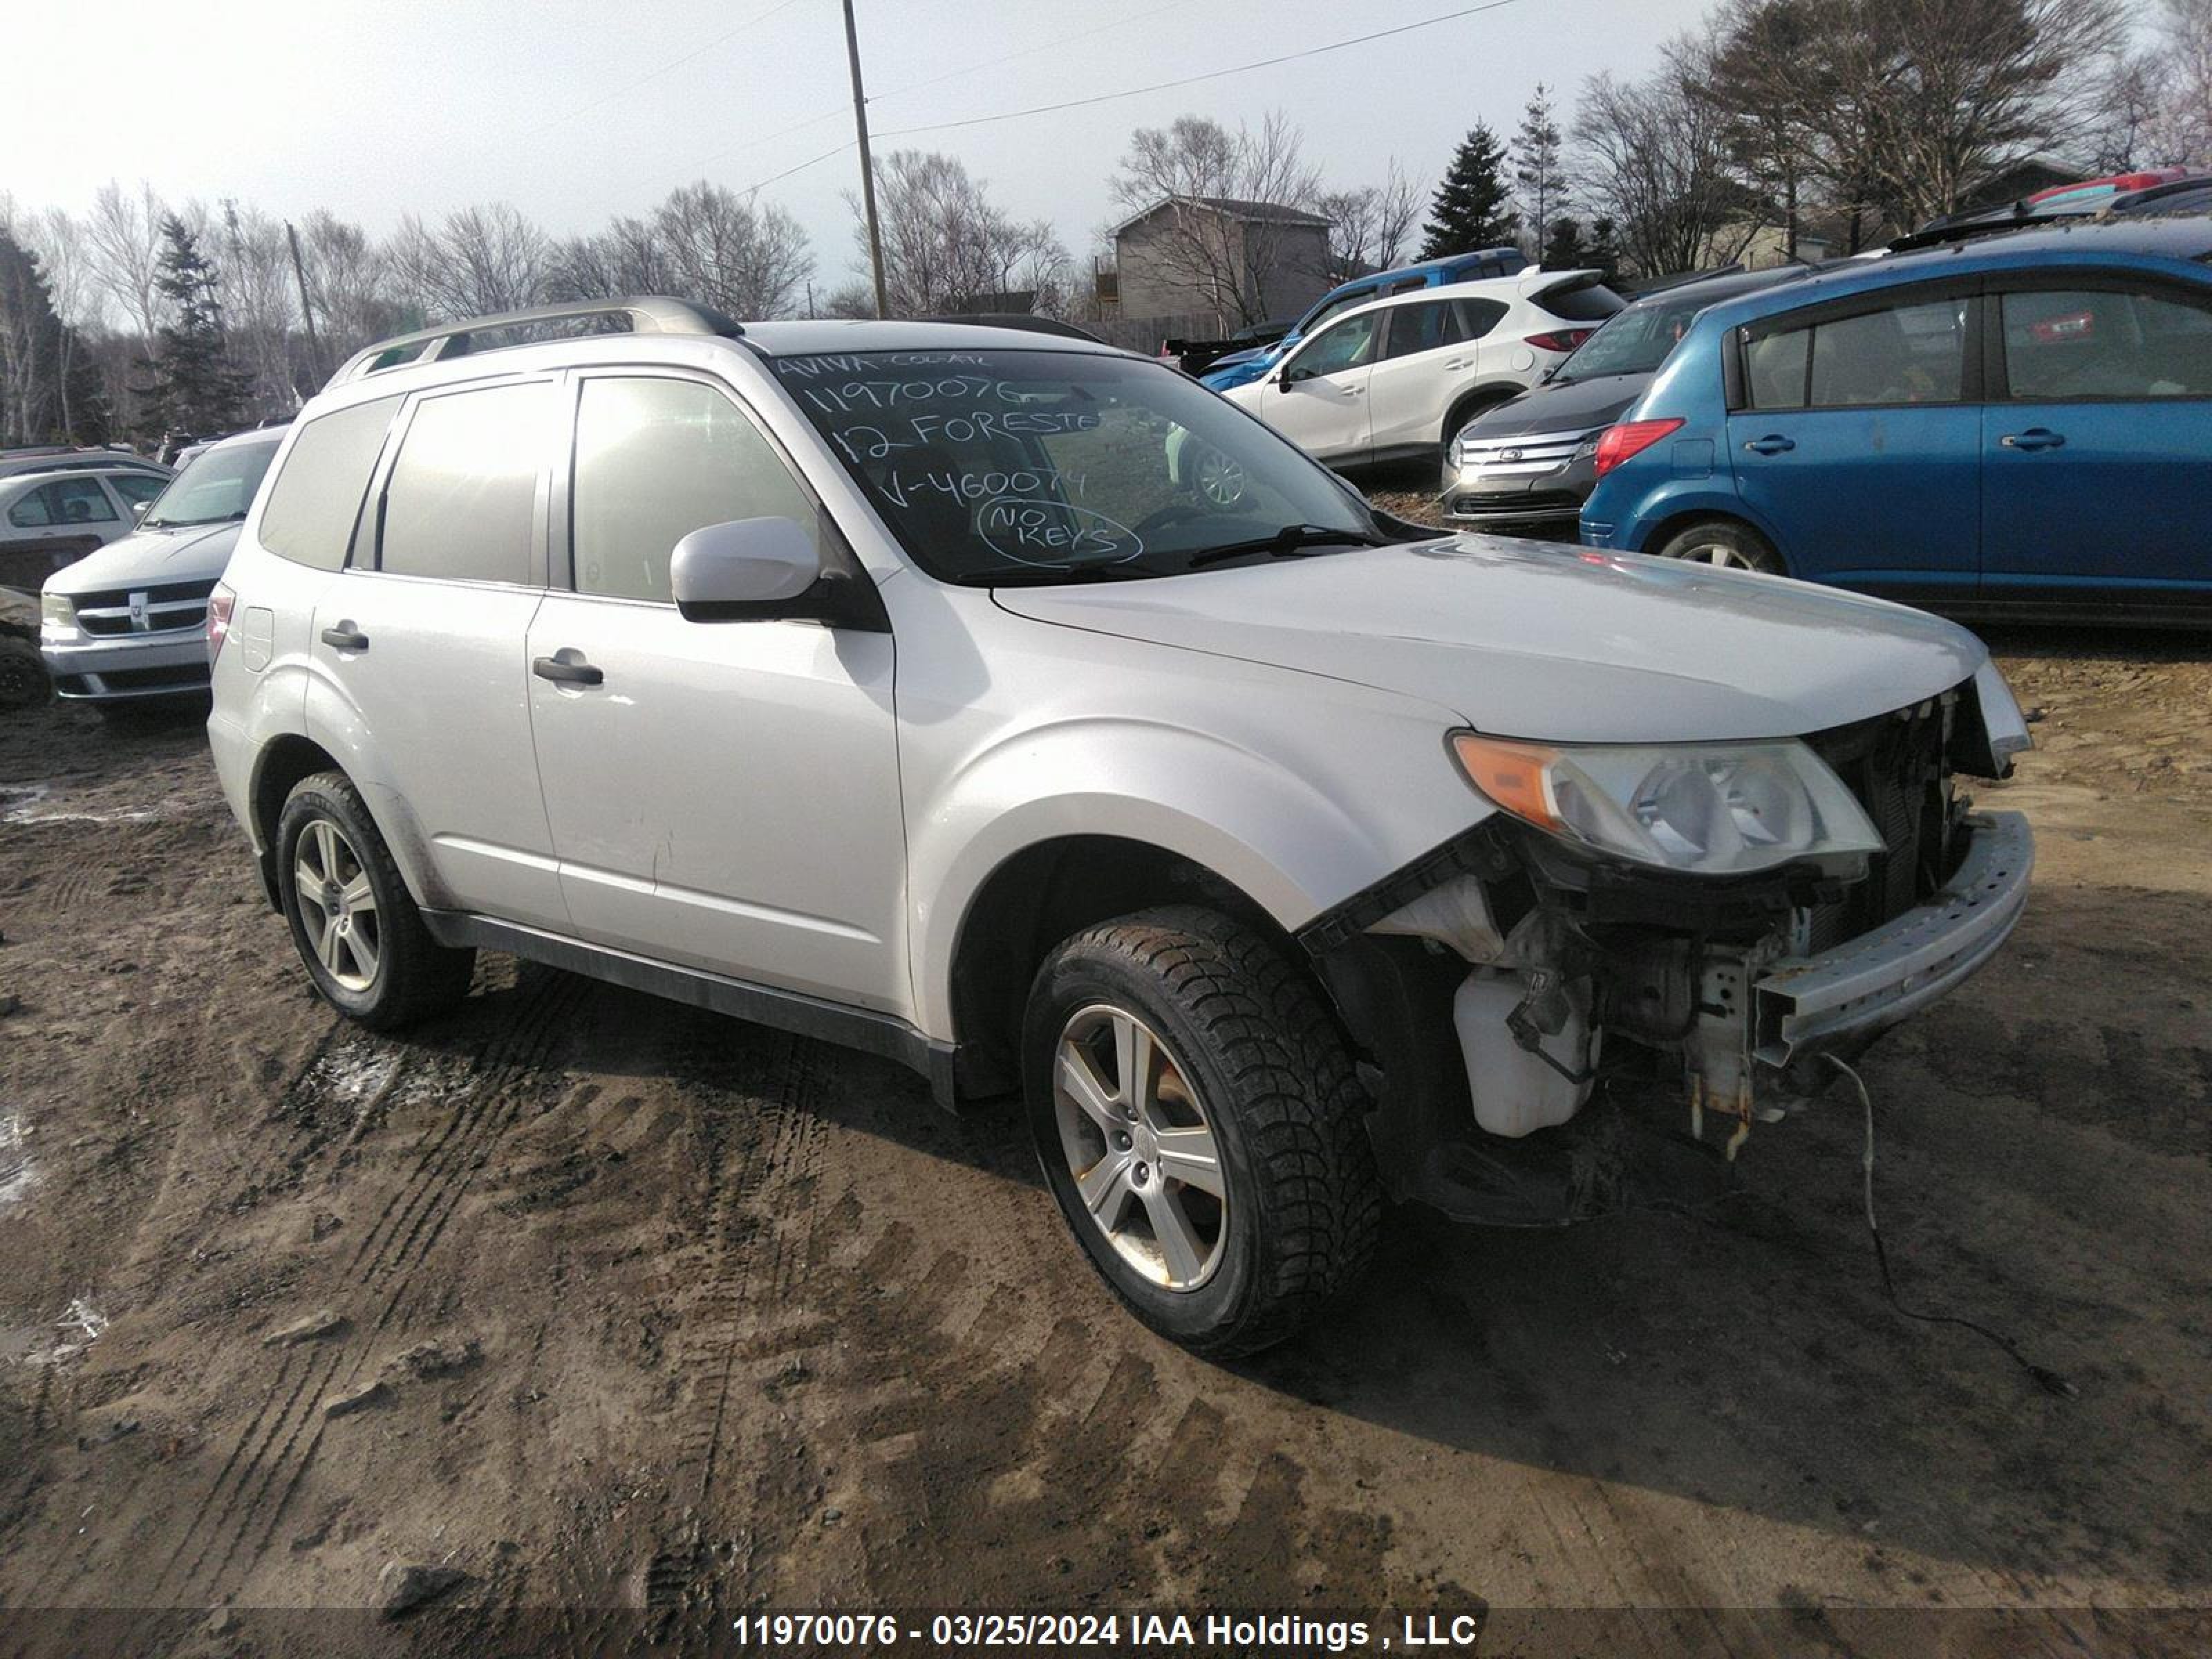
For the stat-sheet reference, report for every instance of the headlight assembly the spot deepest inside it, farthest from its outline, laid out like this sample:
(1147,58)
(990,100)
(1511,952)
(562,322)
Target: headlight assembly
(58,609)
(1717,809)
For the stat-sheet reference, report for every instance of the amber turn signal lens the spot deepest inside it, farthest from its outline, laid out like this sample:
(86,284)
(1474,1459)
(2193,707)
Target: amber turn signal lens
(1510,773)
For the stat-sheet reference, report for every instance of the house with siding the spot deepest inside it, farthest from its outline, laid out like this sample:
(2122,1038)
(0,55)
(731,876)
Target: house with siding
(1220,260)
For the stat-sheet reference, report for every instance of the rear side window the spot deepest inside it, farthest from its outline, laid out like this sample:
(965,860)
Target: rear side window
(1905,354)
(1424,328)
(2066,344)
(461,502)
(309,518)
(64,501)
(655,460)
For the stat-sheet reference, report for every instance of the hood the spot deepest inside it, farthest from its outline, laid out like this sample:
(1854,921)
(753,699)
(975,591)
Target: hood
(1574,406)
(1554,644)
(187,554)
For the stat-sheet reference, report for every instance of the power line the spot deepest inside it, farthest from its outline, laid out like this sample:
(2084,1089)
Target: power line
(654,75)
(1193,79)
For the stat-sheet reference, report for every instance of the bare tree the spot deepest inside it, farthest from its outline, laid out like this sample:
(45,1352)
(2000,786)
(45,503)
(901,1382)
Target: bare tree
(261,305)
(626,258)
(1370,227)
(348,282)
(1654,160)
(743,259)
(58,242)
(1190,170)
(123,245)
(2180,132)
(947,244)
(479,260)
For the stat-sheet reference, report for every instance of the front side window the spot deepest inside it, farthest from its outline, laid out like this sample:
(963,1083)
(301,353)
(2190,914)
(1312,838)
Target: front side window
(2066,344)
(1031,465)
(655,460)
(64,501)
(216,487)
(1341,346)
(462,498)
(316,499)
(137,486)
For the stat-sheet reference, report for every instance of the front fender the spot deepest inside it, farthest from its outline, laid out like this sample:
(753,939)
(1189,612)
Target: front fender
(1295,839)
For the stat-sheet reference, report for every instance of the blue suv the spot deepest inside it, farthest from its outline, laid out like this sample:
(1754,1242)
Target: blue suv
(1243,367)
(2018,427)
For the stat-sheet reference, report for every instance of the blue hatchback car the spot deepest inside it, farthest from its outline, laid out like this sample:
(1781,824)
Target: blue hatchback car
(2021,426)
(1243,367)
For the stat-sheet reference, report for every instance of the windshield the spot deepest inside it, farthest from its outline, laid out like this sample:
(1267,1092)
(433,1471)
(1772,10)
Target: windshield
(996,466)
(1635,341)
(216,487)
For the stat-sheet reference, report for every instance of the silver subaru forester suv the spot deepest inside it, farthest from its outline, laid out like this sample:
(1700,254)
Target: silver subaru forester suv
(882,682)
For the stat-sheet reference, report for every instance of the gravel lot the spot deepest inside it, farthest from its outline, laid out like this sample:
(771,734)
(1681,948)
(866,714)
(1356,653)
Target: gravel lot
(632,1317)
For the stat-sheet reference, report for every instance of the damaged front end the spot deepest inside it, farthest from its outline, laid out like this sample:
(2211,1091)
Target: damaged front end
(1823,889)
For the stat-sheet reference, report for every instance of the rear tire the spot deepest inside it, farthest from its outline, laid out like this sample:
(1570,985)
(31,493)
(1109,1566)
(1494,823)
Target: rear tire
(1251,1092)
(358,932)
(1725,544)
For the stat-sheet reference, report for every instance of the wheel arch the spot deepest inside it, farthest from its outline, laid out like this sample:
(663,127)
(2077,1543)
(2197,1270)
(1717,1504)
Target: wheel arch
(277,770)
(1039,896)
(1666,529)
(1475,400)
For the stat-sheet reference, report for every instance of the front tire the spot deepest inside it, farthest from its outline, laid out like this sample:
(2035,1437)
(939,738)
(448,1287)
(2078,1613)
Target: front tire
(358,932)
(1726,543)
(1199,1124)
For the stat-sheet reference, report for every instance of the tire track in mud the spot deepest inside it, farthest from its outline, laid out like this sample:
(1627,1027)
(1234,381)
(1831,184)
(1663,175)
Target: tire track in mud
(758,1208)
(253,1491)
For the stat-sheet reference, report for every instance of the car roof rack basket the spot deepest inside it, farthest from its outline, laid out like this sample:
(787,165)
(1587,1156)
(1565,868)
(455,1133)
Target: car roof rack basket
(647,314)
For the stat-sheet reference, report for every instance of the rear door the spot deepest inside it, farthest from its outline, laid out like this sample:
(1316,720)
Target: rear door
(1318,398)
(54,524)
(2097,448)
(721,795)
(424,642)
(1855,435)
(1429,354)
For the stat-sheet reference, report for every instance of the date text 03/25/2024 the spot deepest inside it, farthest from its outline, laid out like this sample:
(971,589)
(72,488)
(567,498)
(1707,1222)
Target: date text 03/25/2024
(1248,1632)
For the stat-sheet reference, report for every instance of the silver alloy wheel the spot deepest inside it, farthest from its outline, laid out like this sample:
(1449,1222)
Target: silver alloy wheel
(1719,553)
(1220,478)
(336,908)
(1141,1148)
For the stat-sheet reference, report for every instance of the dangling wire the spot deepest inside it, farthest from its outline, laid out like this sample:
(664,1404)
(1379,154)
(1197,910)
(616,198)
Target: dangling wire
(2050,1381)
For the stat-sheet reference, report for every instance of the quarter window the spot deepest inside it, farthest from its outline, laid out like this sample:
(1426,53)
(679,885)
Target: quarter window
(655,460)
(462,496)
(309,518)
(2063,344)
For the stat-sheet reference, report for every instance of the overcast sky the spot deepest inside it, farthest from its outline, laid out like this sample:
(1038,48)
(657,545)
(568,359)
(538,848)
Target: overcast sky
(576,110)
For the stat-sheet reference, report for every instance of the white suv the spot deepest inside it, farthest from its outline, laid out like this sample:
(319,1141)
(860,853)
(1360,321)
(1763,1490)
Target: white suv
(873,680)
(1396,379)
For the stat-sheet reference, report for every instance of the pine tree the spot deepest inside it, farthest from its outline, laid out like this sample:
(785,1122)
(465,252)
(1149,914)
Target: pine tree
(1602,251)
(197,387)
(1473,207)
(1563,248)
(1536,168)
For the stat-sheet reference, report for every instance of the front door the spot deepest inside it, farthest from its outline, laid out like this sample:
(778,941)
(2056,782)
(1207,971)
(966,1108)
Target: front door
(1318,398)
(2097,452)
(1857,438)
(723,795)
(424,646)
(55,524)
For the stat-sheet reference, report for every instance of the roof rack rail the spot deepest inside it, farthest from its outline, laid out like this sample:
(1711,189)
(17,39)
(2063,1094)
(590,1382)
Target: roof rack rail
(649,313)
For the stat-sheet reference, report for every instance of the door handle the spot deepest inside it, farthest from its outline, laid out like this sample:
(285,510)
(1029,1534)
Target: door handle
(2036,437)
(566,673)
(1772,444)
(346,637)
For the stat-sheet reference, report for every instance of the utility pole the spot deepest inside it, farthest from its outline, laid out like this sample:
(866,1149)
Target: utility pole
(307,309)
(867,167)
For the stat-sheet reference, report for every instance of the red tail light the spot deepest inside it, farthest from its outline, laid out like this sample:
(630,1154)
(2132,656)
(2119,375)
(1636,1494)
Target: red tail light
(220,604)
(1617,443)
(1565,339)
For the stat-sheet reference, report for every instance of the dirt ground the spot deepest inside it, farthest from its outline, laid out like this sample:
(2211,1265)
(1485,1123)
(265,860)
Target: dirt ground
(633,1317)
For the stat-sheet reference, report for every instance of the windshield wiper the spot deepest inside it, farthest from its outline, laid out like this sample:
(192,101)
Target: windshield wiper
(1285,542)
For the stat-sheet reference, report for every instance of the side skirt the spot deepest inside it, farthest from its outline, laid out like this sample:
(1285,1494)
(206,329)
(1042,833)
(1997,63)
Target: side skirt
(883,1035)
